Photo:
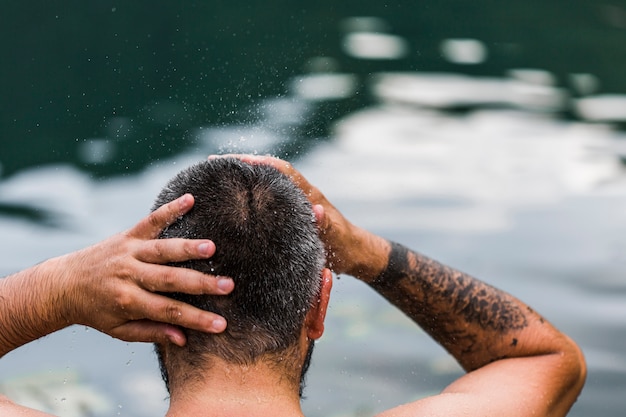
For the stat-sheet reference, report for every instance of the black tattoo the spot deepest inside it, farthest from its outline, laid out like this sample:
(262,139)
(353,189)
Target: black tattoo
(454,308)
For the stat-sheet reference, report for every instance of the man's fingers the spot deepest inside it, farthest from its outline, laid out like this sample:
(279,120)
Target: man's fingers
(150,332)
(162,251)
(150,227)
(166,310)
(162,278)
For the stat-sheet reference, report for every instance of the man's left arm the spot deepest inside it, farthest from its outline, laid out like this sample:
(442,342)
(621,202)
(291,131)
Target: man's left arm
(517,363)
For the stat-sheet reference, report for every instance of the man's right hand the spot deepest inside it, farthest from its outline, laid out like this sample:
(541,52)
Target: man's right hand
(112,286)
(349,249)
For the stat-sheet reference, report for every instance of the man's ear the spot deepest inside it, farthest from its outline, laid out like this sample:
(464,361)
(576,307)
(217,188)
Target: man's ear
(316,315)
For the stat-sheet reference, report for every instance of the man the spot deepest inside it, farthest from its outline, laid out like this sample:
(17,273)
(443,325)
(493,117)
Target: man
(517,363)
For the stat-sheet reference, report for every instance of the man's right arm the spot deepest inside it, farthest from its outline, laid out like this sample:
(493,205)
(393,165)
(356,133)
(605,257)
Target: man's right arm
(112,286)
(518,364)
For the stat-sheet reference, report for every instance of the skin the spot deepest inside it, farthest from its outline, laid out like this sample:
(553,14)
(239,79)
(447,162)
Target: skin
(517,363)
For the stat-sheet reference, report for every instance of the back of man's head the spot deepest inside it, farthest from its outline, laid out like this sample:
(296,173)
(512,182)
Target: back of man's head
(266,241)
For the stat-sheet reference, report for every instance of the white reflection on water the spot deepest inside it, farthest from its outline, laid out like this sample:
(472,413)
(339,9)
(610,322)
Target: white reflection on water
(533,76)
(534,204)
(493,161)
(72,398)
(464,51)
(584,83)
(324,86)
(370,45)
(603,108)
(366,38)
(443,90)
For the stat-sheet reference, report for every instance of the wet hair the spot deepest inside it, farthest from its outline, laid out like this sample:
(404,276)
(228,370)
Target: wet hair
(266,240)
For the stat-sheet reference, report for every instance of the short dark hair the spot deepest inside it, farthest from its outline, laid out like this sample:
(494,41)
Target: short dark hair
(266,240)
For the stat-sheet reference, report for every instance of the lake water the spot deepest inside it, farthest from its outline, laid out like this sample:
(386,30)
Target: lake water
(490,138)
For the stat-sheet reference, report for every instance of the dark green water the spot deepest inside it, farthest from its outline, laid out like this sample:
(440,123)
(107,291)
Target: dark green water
(74,70)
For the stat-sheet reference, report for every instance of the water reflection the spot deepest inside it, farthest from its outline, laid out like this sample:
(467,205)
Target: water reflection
(328,86)
(464,51)
(366,37)
(602,108)
(448,90)
(369,45)
(72,398)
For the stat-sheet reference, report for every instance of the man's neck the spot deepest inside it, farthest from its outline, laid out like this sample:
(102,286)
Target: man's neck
(231,390)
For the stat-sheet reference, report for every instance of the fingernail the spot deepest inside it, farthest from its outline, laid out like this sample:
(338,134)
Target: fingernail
(225,284)
(184,200)
(204,249)
(176,339)
(219,324)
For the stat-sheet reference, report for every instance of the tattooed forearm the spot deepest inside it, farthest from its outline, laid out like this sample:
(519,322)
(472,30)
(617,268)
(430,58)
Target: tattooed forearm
(462,313)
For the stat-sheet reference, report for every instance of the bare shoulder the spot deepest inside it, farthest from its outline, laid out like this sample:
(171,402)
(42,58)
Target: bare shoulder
(517,387)
(444,405)
(9,408)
